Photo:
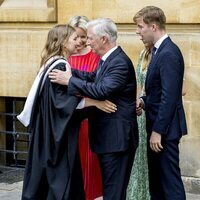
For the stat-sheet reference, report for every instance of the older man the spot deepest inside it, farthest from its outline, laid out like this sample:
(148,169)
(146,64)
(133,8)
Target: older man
(114,137)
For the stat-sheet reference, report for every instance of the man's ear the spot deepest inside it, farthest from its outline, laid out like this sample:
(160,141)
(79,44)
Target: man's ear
(104,39)
(154,27)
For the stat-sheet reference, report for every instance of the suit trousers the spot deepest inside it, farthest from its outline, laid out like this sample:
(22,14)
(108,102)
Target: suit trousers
(165,181)
(116,169)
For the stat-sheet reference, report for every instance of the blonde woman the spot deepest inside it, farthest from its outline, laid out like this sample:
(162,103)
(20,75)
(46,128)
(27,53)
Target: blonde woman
(86,60)
(138,187)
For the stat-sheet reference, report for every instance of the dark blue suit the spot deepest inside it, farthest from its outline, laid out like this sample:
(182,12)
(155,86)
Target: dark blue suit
(114,137)
(165,115)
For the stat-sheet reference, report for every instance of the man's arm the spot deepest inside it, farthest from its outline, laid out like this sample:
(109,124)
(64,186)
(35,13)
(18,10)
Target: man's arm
(171,73)
(89,76)
(171,76)
(62,77)
(114,80)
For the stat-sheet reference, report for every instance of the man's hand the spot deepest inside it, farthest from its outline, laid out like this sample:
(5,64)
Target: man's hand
(139,106)
(60,77)
(155,142)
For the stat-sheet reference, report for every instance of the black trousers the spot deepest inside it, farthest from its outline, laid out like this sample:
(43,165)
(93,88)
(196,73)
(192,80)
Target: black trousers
(116,168)
(165,181)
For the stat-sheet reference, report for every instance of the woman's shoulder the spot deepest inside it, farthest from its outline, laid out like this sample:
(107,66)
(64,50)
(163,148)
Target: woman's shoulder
(55,59)
(57,62)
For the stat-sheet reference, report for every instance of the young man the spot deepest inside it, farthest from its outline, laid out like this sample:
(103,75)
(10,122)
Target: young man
(163,104)
(114,137)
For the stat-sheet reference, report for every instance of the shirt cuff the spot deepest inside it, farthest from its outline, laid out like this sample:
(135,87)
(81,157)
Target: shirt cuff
(81,104)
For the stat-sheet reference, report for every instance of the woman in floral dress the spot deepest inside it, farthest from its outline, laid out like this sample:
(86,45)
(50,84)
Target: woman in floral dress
(138,187)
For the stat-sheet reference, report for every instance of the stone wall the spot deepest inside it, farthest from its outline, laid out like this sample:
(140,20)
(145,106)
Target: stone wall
(23,31)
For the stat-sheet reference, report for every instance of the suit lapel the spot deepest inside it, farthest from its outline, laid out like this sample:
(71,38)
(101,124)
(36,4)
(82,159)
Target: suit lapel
(151,68)
(154,61)
(107,61)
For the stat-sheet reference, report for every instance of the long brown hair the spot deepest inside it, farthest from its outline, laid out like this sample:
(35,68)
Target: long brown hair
(55,39)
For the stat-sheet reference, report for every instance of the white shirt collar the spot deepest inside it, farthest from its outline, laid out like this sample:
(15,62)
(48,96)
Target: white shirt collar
(159,42)
(105,56)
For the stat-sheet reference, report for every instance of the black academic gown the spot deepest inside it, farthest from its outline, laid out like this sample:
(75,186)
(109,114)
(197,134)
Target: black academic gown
(53,166)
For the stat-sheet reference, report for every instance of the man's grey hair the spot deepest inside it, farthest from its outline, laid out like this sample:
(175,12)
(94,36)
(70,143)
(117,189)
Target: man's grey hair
(104,27)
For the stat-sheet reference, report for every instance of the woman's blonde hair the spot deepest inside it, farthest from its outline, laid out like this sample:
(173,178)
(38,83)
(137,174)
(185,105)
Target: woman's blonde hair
(147,58)
(55,39)
(79,22)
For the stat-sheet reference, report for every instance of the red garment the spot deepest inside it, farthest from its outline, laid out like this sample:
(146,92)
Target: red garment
(87,62)
(89,162)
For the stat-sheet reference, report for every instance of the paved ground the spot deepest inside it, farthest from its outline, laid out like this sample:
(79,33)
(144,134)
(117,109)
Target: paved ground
(11,185)
(13,192)
(10,191)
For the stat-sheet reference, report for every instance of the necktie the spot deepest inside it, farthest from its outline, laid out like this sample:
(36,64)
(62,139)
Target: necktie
(99,67)
(152,57)
(153,53)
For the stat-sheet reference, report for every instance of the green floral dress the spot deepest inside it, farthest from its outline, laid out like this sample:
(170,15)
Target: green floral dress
(138,187)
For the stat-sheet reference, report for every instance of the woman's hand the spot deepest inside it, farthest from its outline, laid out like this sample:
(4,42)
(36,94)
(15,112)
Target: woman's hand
(106,106)
(139,106)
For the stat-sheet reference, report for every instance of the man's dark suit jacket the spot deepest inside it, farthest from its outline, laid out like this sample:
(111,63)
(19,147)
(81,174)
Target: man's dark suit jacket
(116,82)
(163,101)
